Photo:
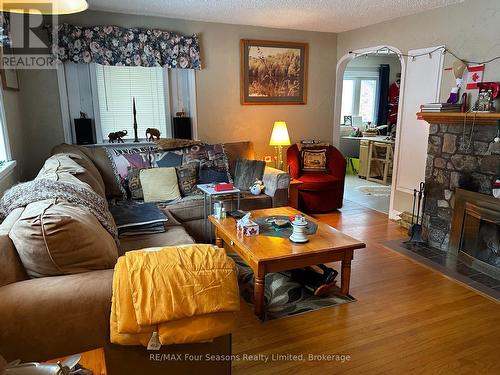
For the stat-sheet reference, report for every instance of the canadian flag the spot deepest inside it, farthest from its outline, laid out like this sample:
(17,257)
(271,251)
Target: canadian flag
(474,76)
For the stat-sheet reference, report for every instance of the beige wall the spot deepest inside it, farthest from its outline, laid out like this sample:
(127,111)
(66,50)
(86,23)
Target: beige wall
(221,118)
(469,29)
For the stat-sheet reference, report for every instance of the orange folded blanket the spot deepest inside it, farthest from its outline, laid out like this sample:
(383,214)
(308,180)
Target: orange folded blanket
(185,293)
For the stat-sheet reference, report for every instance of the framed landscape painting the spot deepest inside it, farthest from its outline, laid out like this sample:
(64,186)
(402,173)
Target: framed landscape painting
(273,72)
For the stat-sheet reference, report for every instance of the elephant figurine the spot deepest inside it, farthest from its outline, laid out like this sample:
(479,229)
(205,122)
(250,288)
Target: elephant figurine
(117,136)
(151,133)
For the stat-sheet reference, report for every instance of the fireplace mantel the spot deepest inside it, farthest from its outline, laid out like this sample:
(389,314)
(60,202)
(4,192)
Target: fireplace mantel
(459,118)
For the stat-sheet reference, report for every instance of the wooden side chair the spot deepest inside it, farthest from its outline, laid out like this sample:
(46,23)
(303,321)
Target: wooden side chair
(380,154)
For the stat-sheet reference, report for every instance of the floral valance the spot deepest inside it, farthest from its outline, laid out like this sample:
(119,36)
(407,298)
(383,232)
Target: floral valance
(113,45)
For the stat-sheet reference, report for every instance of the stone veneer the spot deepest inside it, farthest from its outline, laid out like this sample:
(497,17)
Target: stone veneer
(447,162)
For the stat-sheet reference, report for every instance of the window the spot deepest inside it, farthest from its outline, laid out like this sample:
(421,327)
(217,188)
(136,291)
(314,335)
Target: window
(104,94)
(359,94)
(4,140)
(118,86)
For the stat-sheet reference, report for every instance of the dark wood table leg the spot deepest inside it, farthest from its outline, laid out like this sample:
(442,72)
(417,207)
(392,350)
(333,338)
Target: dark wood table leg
(346,273)
(259,286)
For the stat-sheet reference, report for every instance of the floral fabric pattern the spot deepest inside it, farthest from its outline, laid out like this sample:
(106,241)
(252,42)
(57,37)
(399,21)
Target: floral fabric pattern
(113,45)
(4,30)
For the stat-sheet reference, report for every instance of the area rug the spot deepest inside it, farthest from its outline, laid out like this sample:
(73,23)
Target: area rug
(376,191)
(283,297)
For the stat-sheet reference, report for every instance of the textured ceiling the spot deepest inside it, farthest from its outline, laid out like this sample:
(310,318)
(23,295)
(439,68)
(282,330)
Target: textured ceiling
(313,15)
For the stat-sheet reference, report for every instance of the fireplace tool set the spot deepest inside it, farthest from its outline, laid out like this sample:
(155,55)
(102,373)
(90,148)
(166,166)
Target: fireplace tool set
(415,231)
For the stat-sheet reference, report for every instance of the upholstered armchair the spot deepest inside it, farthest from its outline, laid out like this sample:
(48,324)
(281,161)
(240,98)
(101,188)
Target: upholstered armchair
(321,190)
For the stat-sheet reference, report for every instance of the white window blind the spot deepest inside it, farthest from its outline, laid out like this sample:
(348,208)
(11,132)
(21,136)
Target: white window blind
(117,86)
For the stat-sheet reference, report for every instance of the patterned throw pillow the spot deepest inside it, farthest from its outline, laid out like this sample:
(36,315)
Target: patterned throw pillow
(214,166)
(134,183)
(314,160)
(187,175)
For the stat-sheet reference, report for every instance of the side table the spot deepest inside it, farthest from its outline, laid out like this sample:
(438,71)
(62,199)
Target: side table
(209,192)
(293,193)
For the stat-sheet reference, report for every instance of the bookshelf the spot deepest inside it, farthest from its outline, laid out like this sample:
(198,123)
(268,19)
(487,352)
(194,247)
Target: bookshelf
(459,118)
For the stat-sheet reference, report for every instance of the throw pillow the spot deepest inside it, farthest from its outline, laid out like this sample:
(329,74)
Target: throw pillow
(247,171)
(159,184)
(168,159)
(187,175)
(314,160)
(134,183)
(124,158)
(213,161)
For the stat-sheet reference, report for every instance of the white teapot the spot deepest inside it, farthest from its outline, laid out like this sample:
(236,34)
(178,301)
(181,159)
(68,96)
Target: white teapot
(257,187)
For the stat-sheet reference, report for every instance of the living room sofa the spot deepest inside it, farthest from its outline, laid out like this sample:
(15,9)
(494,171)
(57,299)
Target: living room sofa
(47,317)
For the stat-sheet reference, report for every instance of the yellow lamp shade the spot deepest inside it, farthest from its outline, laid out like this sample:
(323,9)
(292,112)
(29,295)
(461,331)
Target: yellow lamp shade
(43,6)
(279,136)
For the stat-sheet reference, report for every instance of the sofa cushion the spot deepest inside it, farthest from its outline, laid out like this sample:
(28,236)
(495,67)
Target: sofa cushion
(55,237)
(10,264)
(101,161)
(91,174)
(320,182)
(174,235)
(159,184)
(53,316)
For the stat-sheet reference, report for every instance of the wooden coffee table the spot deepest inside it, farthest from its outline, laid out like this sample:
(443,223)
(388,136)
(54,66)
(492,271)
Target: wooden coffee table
(265,254)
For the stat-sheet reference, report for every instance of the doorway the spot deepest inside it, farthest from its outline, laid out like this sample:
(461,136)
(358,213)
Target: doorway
(369,107)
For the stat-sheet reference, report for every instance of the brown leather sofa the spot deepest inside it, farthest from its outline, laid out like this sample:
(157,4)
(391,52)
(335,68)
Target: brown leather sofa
(47,317)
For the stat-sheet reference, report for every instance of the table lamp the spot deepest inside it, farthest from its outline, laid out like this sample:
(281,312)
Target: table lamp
(279,138)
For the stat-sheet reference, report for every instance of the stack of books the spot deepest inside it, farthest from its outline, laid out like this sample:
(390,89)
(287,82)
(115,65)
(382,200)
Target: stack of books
(440,107)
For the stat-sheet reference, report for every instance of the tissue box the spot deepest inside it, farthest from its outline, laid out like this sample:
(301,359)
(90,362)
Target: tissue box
(248,229)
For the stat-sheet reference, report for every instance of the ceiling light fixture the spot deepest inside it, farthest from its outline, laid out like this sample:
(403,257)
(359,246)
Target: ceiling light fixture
(43,6)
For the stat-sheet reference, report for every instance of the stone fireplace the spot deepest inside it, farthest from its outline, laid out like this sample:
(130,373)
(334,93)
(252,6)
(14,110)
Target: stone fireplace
(456,160)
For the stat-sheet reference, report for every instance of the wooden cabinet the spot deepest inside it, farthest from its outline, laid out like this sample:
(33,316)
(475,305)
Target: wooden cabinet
(363,158)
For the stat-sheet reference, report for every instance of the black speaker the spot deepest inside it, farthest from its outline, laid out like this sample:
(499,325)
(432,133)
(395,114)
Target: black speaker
(84,131)
(182,128)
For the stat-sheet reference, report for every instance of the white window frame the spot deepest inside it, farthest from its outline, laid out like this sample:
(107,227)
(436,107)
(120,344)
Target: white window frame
(8,167)
(357,76)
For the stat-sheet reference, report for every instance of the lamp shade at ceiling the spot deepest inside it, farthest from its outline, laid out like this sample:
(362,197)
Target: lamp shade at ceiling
(279,136)
(43,6)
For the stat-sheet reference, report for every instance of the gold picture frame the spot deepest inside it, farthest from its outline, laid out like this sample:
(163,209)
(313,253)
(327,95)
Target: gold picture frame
(273,72)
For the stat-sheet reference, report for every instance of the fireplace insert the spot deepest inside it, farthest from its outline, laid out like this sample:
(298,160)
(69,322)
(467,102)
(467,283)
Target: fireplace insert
(475,231)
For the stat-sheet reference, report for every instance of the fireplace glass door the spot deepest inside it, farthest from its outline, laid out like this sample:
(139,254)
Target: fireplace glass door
(480,240)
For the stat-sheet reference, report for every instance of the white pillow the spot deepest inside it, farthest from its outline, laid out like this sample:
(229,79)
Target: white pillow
(159,184)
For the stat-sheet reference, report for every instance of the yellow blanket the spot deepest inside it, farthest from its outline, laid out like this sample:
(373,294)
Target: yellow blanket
(185,293)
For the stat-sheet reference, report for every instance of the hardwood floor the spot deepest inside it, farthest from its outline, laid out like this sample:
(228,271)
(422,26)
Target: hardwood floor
(408,319)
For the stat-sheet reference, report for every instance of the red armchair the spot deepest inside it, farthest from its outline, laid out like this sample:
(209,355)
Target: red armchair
(319,192)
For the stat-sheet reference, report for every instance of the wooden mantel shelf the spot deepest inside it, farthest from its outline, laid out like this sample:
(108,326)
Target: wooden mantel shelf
(459,118)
